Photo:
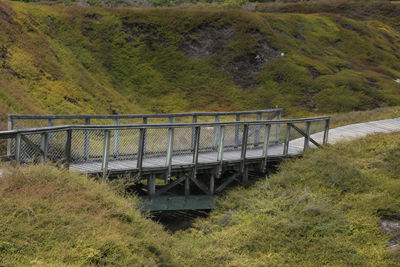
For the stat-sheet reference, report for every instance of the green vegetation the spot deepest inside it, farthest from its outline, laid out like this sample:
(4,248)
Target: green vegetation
(322,209)
(52,217)
(56,59)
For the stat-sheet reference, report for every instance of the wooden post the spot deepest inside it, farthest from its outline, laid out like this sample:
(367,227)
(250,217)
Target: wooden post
(44,145)
(220,155)
(187,186)
(51,124)
(287,136)
(326,132)
(194,120)
(307,137)
(151,183)
(245,175)
(216,128)
(10,126)
(237,141)
(257,133)
(265,147)
(278,127)
(144,135)
(106,151)
(212,184)
(86,149)
(18,148)
(170,147)
(196,150)
(244,148)
(117,121)
(68,148)
(141,151)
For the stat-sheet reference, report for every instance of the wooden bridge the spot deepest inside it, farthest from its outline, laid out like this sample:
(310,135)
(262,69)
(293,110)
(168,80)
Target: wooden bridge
(178,163)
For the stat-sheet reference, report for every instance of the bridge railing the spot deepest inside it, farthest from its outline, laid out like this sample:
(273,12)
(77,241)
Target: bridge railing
(16,121)
(167,145)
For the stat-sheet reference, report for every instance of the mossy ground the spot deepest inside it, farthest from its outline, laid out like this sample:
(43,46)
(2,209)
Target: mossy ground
(56,59)
(322,209)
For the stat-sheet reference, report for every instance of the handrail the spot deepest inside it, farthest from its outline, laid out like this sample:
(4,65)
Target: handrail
(116,118)
(28,145)
(133,116)
(8,134)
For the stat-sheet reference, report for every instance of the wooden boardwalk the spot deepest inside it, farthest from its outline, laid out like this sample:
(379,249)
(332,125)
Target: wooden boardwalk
(343,133)
(181,165)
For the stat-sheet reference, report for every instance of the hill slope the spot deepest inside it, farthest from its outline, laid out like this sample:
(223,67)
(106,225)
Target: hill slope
(322,209)
(51,217)
(91,60)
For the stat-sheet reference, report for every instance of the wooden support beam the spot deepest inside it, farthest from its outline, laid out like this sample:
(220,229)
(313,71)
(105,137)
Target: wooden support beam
(227,182)
(187,185)
(200,185)
(245,175)
(305,135)
(32,145)
(159,203)
(151,184)
(171,185)
(106,151)
(212,184)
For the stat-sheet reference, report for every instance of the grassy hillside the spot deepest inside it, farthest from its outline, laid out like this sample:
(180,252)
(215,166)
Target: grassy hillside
(56,59)
(52,218)
(323,209)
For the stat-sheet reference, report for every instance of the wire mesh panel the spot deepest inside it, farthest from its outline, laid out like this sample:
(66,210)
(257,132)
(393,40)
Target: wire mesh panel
(206,143)
(255,141)
(317,129)
(155,146)
(96,144)
(28,153)
(233,142)
(128,144)
(78,150)
(56,146)
(182,146)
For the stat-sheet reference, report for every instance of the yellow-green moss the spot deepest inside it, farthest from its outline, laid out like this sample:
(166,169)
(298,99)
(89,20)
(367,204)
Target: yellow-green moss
(92,60)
